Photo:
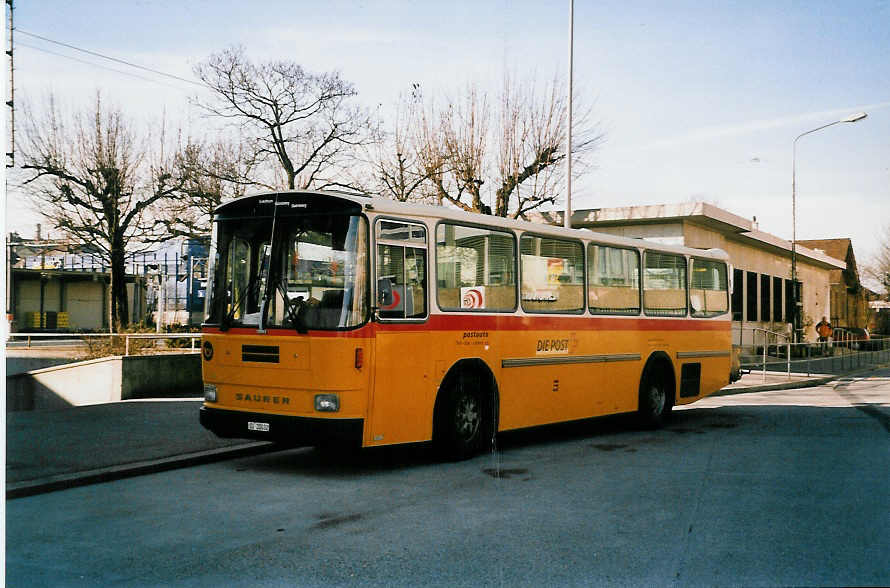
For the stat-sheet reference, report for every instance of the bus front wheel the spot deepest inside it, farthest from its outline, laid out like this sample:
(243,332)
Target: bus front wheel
(462,421)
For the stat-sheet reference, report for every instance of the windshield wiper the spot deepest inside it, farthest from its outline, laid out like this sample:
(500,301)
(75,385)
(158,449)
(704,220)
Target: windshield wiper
(226,322)
(293,309)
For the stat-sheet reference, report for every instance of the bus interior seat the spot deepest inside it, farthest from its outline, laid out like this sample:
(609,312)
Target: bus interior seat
(327,313)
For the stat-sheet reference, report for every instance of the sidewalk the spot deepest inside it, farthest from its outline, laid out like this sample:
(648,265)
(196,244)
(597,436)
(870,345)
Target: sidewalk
(757,381)
(50,450)
(56,449)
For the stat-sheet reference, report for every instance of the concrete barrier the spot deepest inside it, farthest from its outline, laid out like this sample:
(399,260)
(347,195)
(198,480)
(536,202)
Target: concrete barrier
(109,379)
(20,365)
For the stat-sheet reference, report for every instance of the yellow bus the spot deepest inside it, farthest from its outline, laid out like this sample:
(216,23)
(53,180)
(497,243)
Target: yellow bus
(334,317)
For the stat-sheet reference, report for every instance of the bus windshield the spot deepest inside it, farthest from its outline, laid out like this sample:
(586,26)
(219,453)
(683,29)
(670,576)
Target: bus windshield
(312,273)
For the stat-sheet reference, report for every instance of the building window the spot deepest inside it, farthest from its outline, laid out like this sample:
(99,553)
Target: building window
(765,305)
(738,293)
(751,291)
(777,299)
(789,300)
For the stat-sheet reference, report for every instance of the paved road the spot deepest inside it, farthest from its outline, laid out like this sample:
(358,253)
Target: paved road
(768,488)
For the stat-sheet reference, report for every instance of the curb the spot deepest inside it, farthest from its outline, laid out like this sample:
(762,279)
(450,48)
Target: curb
(795,385)
(118,472)
(778,386)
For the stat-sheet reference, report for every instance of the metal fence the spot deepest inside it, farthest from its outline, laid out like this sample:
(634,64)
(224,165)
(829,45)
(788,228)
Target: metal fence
(73,340)
(830,357)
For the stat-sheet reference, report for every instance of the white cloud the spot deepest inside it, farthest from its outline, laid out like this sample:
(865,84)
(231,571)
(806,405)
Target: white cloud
(711,133)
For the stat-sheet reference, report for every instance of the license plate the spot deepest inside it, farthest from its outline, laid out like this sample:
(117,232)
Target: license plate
(251,426)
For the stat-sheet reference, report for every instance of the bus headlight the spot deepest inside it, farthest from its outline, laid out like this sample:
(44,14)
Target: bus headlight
(327,402)
(210,392)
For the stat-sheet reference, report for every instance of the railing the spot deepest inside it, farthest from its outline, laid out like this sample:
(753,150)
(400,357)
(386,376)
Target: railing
(134,264)
(767,335)
(28,338)
(829,357)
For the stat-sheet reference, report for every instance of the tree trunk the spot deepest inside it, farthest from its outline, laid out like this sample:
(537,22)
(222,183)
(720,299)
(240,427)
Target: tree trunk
(119,307)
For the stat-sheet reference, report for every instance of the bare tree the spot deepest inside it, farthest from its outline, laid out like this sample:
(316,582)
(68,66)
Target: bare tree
(508,150)
(304,122)
(877,270)
(211,172)
(395,161)
(91,178)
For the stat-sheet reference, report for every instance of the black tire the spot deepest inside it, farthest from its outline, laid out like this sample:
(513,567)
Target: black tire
(463,420)
(656,399)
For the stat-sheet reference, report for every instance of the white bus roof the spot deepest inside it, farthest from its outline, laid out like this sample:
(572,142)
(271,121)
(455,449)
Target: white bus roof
(386,206)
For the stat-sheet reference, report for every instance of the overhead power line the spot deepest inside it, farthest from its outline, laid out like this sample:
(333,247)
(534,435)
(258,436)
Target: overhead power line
(122,72)
(108,57)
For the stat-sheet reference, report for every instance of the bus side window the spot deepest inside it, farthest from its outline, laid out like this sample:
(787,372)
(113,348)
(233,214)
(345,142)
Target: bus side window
(613,276)
(708,288)
(475,268)
(401,270)
(664,284)
(552,278)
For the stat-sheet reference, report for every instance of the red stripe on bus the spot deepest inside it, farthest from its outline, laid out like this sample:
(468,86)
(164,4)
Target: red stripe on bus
(475,322)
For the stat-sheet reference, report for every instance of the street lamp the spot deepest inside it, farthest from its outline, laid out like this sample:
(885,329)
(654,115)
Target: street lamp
(796,326)
(567,220)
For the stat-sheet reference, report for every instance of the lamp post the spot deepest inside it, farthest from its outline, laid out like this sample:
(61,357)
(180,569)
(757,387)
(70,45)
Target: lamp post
(796,322)
(567,220)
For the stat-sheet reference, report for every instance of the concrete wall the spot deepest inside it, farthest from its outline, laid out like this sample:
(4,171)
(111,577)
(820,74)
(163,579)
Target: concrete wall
(28,297)
(109,379)
(85,304)
(158,376)
(20,365)
(83,299)
(667,233)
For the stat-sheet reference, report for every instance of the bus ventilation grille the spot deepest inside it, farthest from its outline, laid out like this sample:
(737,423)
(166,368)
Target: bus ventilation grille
(260,353)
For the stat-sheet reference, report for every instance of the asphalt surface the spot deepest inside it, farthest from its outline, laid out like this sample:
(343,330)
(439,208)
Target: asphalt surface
(57,449)
(774,488)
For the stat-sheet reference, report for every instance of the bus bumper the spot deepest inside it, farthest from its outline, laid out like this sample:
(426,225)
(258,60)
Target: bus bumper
(292,430)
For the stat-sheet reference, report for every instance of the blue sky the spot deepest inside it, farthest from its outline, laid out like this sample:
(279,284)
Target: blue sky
(700,101)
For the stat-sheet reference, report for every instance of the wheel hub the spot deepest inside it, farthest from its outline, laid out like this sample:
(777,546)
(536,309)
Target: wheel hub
(656,399)
(468,417)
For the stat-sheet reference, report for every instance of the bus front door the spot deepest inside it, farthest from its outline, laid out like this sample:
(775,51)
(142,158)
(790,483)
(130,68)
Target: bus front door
(402,400)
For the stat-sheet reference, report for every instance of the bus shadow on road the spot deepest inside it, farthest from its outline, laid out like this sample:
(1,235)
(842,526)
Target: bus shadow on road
(602,432)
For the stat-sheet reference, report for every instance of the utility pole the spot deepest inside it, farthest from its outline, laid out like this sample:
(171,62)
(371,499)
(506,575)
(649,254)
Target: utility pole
(10,155)
(10,163)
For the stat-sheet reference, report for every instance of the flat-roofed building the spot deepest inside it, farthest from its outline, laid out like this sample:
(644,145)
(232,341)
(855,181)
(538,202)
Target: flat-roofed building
(762,295)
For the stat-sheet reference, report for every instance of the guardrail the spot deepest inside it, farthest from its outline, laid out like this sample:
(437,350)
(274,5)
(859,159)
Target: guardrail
(28,338)
(830,357)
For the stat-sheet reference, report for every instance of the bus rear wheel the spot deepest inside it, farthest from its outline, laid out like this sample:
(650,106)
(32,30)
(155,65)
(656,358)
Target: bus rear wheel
(655,401)
(463,422)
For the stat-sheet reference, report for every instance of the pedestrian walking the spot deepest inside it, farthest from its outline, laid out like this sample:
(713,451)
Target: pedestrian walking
(824,331)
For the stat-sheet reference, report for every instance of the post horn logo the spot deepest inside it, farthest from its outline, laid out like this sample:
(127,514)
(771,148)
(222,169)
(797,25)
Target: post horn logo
(473,299)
